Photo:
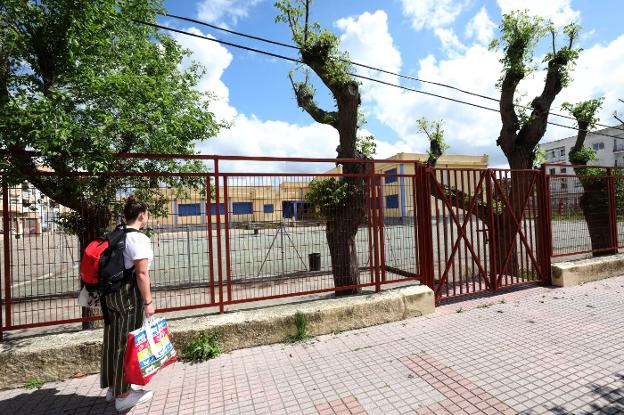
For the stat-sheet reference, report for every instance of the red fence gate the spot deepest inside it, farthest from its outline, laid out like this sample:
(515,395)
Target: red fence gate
(489,229)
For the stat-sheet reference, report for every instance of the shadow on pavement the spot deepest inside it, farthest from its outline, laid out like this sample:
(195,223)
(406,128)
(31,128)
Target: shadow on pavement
(609,399)
(50,402)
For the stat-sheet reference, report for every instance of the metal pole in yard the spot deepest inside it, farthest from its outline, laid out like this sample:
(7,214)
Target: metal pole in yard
(188,249)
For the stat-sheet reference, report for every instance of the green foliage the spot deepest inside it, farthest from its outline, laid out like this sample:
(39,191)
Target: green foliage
(566,55)
(435,133)
(302,331)
(520,34)
(366,145)
(34,383)
(585,111)
(539,157)
(84,82)
(329,194)
(582,156)
(317,43)
(203,348)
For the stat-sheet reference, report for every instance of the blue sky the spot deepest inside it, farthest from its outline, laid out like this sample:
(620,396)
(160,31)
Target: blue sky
(443,41)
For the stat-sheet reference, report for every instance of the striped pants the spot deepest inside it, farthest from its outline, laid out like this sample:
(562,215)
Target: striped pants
(125,311)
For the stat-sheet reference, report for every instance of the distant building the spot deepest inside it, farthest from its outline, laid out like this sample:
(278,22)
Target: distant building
(277,199)
(609,150)
(565,188)
(30,211)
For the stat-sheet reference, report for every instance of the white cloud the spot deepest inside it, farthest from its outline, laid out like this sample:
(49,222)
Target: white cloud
(431,13)
(451,44)
(224,11)
(215,58)
(367,37)
(597,73)
(560,12)
(480,27)
(250,136)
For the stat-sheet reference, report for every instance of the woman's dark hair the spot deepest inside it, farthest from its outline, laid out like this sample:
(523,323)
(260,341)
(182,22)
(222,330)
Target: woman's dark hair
(133,208)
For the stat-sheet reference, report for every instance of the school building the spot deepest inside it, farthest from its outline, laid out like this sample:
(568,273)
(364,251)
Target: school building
(268,199)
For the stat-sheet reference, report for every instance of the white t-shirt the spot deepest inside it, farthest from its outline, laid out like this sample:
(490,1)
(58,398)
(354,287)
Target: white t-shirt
(138,246)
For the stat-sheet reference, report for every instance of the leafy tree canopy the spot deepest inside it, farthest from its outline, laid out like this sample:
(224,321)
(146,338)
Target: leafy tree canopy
(79,81)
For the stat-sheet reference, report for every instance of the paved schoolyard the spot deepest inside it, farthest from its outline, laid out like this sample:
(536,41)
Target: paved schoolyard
(539,350)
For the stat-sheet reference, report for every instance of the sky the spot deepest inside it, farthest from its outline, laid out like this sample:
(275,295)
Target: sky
(443,41)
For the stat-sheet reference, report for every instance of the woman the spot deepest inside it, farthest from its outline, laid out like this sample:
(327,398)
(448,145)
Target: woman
(127,308)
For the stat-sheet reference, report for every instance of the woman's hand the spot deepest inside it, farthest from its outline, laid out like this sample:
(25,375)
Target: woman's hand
(149,310)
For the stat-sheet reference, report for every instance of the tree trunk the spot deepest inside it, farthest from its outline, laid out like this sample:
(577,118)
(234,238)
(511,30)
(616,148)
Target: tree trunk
(515,189)
(593,203)
(343,250)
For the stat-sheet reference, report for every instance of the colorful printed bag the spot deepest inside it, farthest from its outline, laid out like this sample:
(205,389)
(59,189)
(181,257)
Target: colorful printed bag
(149,349)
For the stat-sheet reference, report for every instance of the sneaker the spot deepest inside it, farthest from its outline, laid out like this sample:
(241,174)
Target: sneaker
(133,398)
(109,393)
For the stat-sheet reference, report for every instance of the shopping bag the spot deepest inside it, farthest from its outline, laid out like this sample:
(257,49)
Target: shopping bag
(149,349)
(89,299)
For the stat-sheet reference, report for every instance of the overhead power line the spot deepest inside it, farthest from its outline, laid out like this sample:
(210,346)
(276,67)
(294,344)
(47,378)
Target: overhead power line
(295,60)
(411,78)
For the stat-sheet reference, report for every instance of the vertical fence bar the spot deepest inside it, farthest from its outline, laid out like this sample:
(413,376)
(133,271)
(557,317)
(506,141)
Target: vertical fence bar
(381,222)
(7,251)
(210,247)
(490,176)
(424,222)
(376,227)
(416,225)
(226,205)
(611,205)
(544,226)
(370,223)
(219,253)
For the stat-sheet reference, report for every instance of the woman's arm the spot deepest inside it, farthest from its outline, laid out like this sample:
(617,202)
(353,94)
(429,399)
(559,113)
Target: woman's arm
(143,281)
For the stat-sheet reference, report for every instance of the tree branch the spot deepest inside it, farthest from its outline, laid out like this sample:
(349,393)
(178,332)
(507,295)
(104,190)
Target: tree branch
(509,117)
(305,100)
(460,199)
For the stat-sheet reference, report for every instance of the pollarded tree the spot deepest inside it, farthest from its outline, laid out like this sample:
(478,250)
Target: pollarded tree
(521,131)
(319,50)
(594,199)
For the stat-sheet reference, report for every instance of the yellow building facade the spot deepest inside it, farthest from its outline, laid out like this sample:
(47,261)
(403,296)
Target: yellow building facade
(268,199)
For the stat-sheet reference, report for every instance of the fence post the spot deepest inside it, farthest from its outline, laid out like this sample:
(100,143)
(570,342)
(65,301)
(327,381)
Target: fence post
(376,226)
(6,231)
(219,253)
(226,212)
(210,247)
(490,176)
(544,225)
(425,233)
(612,206)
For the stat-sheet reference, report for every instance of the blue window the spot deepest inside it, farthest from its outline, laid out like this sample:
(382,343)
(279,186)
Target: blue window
(213,209)
(189,209)
(268,208)
(391,179)
(242,208)
(392,202)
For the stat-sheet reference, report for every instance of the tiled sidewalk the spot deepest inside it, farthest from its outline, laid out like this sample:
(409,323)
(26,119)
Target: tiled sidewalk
(538,350)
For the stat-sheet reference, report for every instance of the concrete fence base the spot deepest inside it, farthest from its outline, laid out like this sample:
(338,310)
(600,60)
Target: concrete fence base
(568,274)
(62,356)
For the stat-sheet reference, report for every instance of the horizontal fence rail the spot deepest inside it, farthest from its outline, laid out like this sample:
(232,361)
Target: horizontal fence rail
(223,236)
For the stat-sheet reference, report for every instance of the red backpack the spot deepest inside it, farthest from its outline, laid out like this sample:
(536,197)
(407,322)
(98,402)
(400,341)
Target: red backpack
(102,265)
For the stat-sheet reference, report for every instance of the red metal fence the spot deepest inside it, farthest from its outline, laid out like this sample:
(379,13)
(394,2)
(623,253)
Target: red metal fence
(587,205)
(225,237)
